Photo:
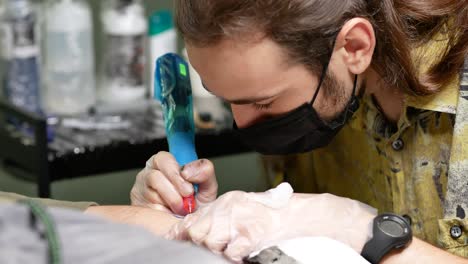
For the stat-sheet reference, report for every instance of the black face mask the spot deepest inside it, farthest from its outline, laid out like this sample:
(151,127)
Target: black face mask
(299,131)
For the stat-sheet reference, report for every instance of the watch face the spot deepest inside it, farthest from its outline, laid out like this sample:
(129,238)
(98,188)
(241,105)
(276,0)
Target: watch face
(393,226)
(390,231)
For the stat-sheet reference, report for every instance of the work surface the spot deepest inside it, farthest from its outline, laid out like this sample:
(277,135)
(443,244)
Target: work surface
(307,250)
(102,143)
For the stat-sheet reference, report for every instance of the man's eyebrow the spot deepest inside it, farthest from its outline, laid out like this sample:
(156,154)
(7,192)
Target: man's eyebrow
(243,101)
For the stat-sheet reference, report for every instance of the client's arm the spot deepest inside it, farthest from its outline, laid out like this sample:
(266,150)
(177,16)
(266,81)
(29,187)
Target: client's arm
(154,221)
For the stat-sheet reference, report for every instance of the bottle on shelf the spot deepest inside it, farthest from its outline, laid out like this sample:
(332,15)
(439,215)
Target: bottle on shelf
(69,73)
(162,39)
(123,70)
(210,113)
(20,54)
(2,60)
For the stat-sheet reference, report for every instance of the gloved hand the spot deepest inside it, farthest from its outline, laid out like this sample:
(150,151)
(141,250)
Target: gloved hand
(162,183)
(239,223)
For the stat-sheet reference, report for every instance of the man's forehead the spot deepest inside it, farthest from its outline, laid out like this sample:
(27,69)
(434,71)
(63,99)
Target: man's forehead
(228,68)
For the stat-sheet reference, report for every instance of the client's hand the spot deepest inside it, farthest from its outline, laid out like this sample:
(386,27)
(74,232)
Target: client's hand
(239,223)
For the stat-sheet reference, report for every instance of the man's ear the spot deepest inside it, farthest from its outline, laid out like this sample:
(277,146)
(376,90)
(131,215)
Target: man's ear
(357,39)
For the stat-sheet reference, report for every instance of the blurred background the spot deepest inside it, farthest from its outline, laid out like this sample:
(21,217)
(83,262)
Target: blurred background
(109,48)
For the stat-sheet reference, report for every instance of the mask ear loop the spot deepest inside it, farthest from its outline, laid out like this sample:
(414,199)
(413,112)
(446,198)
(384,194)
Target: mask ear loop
(355,85)
(323,75)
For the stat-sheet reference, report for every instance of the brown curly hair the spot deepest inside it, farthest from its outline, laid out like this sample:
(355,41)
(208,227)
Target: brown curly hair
(306,29)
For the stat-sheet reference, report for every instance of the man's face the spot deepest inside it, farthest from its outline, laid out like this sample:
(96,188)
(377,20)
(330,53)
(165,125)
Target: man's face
(259,82)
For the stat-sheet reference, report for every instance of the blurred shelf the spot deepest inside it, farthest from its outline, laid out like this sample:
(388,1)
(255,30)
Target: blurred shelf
(87,145)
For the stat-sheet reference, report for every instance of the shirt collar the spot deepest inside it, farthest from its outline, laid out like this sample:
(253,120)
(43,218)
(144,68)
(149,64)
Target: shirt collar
(445,101)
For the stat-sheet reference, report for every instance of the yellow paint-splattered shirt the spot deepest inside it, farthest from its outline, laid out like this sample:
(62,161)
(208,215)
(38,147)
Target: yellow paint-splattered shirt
(405,168)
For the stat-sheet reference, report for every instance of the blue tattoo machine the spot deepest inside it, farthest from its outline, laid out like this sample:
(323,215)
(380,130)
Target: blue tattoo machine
(173,89)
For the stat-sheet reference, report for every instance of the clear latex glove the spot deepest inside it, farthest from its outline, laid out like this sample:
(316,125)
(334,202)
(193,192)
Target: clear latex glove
(163,183)
(239,223)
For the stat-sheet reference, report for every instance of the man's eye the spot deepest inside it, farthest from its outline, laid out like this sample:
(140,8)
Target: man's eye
(262,106)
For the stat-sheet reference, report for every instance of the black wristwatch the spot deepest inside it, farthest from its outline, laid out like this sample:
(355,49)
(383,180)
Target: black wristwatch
(390,231)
